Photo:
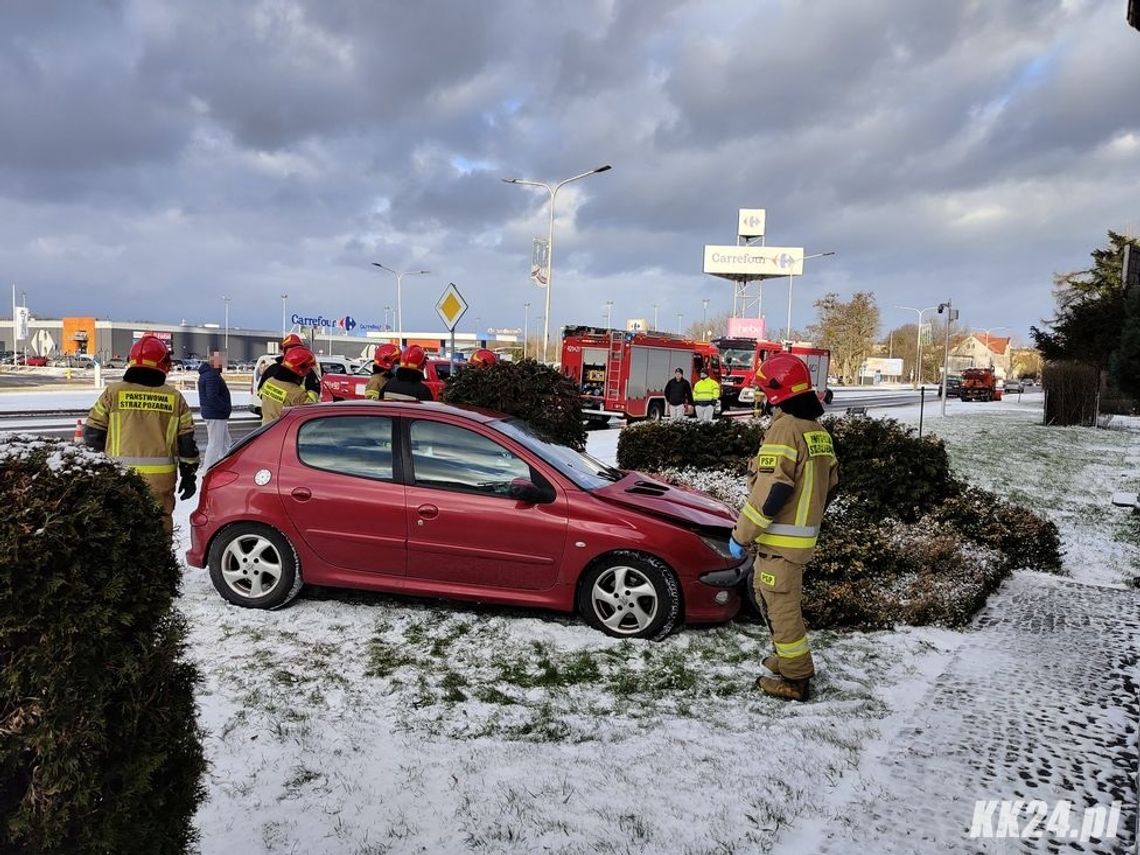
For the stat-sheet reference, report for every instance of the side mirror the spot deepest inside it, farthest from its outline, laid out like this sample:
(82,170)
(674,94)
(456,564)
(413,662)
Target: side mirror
(525,490)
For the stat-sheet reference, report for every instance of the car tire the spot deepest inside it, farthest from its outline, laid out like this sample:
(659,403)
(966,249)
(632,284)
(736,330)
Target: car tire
(630,595)
(656,411)
(254,566)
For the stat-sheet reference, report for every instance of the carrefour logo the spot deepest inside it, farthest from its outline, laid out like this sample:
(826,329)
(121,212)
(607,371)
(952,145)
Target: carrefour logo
(785,260)
(346,323)
(753,221)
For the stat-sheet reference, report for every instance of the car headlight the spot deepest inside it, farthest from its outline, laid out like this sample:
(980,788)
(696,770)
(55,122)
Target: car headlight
(719,545)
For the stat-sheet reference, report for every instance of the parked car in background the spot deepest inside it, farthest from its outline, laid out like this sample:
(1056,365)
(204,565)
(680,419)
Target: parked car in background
(350,387)
(433,500)
(32,361)
(953,387)
(1013,386)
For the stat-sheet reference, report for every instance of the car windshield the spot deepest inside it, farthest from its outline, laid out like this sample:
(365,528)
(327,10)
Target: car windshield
(584,470)
(733,358)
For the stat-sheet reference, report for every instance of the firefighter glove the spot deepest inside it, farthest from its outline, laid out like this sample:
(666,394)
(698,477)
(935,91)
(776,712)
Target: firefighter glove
(188,486)
(735,549)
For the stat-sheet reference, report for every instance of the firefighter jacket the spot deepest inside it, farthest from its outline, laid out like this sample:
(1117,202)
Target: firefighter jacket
(275,369)
(376,384)
(277,395)
(706,392)
(407,385)
(146,427)
(791,480)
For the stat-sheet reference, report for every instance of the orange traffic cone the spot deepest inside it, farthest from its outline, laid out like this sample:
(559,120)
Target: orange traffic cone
(78,435)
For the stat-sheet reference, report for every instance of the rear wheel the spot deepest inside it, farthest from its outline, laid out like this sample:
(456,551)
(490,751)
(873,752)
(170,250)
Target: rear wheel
(656,411)
(254,566)
(628,595)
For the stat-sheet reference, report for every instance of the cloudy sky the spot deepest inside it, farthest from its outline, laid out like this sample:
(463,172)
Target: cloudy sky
(156,156)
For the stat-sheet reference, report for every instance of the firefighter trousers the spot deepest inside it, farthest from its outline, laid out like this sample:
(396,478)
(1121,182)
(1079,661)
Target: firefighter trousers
(779,583)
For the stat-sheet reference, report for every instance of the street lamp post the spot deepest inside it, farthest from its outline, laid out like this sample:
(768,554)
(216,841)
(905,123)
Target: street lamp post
(284,325)
(400,274)
(609,313)
(655,308)
(679,316)
(526,326)
(918,342)
(788,331)
(553,191)
(705,315)
(226,346)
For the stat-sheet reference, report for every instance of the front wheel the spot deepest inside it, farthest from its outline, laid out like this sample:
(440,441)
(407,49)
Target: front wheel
(254,566)
(627,595)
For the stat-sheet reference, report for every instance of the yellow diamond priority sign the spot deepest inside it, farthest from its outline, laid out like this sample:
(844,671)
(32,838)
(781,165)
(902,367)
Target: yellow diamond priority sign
(451,306)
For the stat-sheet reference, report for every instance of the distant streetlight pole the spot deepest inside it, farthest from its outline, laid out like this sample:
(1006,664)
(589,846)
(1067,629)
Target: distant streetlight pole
(284,324)
(526,326)
(655,308)
(226,302)
(989,353)
(951,316)
(609,313)
(788,331)
(705,315)
(400,274)
(553,191)
(679,316)
(918,341)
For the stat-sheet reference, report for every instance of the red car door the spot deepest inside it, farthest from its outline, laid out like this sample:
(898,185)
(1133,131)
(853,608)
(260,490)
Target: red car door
(337,484)
(462,525)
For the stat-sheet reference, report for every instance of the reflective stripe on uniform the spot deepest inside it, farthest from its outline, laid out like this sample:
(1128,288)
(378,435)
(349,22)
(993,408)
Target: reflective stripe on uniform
(149,465)
(793,650)
(755,516)
(794,530)
(788,541)
(779,450)
(372,394)
(804,504)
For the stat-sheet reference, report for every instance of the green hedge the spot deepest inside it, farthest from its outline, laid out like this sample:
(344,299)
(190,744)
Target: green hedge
(99,748)
(535,393)
(689,444)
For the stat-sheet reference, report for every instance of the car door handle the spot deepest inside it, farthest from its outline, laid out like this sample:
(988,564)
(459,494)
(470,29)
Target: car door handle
(302,494)
(428,512)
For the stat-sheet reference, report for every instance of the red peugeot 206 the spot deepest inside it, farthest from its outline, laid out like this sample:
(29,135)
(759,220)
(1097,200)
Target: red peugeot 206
(434,500)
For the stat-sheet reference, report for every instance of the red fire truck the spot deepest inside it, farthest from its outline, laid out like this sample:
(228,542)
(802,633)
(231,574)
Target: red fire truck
(740,358)
(624,373)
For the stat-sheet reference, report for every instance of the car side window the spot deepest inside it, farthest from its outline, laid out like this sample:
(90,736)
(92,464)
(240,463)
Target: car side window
(348,445)
(454,458)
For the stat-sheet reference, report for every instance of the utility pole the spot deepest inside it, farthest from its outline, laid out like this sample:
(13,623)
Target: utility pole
(951,316)
(655,308)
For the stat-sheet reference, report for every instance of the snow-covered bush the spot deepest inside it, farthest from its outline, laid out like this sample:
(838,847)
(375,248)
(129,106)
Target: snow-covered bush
(904,542)
(548,401)
(99,748)
(725,444)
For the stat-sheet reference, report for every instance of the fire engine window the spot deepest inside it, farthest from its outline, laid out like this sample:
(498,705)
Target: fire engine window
(348,445)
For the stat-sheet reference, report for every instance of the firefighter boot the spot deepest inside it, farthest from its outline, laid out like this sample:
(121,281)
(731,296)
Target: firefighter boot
(788,690)
(772,663)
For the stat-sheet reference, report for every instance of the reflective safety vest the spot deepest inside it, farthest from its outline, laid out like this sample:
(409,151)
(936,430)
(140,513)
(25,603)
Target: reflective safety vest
(278,395)
(143,424)
(797,453)
(706,391)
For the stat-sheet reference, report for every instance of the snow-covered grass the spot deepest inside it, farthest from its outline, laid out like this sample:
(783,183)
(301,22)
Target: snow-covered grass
(361,723)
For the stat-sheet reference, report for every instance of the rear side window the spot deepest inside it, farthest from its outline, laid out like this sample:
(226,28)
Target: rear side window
(348,445)
(454,458)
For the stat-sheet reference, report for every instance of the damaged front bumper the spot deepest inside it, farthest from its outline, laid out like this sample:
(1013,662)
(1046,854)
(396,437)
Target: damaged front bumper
(729,577)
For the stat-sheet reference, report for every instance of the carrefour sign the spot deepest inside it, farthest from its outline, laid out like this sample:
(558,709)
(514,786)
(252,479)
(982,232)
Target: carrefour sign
(754,262)
(346,323)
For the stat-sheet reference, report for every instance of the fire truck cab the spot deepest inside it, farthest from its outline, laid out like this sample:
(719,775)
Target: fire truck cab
(740,357)
(624,373)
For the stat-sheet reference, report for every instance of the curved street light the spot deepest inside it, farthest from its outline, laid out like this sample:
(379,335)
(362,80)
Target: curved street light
(553,191)
(400,274)
(918,342)
(791,277)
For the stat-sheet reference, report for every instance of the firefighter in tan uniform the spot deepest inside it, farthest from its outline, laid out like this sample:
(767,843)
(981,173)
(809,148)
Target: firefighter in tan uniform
(382,363)
(791,482)
(286,388)
(146,425)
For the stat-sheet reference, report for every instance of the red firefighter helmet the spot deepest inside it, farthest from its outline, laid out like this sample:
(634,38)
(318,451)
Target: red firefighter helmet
(299,360)
(413,357)
(149,352)
(483,357)
(782,376)
(290,341)
(386,356)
